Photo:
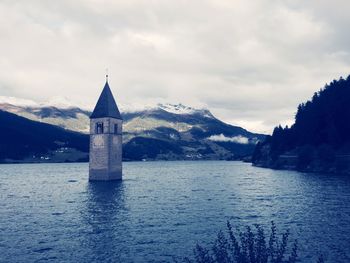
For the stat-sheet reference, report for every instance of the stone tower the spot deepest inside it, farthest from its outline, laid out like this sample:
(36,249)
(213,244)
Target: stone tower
(105,139)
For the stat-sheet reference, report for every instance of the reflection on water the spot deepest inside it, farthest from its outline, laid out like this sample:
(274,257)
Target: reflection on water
(104,218)
(105,199)
(50,212)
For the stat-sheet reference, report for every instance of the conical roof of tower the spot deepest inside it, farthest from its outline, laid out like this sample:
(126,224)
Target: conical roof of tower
(106,106)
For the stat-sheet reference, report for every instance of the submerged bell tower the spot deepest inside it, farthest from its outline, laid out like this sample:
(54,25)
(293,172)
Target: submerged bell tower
(105,161)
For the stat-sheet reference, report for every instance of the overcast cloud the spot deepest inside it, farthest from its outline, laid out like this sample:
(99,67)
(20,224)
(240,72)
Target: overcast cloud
(249,62)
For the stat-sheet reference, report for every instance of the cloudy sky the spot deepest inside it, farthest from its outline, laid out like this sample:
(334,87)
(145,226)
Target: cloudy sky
(249,62)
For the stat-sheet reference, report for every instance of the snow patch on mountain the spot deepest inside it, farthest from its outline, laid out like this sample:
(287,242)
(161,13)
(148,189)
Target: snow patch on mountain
(58,102)
(133,108)
(176,108)
(179,109)
(182,109)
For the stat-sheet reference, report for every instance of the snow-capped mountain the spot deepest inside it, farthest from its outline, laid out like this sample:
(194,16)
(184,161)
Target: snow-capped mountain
(56,112)
(60,111)
(164,131)
(182,109)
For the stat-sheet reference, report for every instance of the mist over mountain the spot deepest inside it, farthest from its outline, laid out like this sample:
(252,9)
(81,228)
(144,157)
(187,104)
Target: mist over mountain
(162,132)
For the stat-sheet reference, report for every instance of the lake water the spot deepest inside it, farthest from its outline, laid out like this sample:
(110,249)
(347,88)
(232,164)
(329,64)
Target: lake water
(51,213)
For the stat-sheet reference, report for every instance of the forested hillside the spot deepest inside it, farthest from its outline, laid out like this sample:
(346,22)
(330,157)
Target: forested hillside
(318,140)
(26,139)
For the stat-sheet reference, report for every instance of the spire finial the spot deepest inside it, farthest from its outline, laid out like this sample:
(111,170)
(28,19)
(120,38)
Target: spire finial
(106,74)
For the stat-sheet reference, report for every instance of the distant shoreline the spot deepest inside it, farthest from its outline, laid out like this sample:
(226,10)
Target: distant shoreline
(125,161)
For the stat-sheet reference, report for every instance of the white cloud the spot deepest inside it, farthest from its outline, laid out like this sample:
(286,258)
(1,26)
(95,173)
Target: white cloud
(222,138)
(17,101)
(249,62)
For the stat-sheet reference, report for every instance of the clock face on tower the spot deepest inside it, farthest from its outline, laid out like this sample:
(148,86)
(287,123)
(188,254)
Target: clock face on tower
(98,141)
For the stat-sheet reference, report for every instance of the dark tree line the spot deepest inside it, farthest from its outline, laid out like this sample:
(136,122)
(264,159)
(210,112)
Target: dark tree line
(21,137)
(322,125)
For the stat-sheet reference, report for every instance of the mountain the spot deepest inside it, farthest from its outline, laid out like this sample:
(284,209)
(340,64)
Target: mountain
(30,141)
(191,133)
(55,112)
(166,131)
(318,140)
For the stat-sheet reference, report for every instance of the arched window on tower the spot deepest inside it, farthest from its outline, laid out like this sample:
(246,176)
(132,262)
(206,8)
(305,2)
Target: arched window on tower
(115,128)
(99,127)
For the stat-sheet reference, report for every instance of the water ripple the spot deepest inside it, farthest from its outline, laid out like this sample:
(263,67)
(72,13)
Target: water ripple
(50,212)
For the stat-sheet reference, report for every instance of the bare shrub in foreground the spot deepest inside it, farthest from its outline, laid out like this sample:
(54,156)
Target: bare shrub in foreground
(249,246)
